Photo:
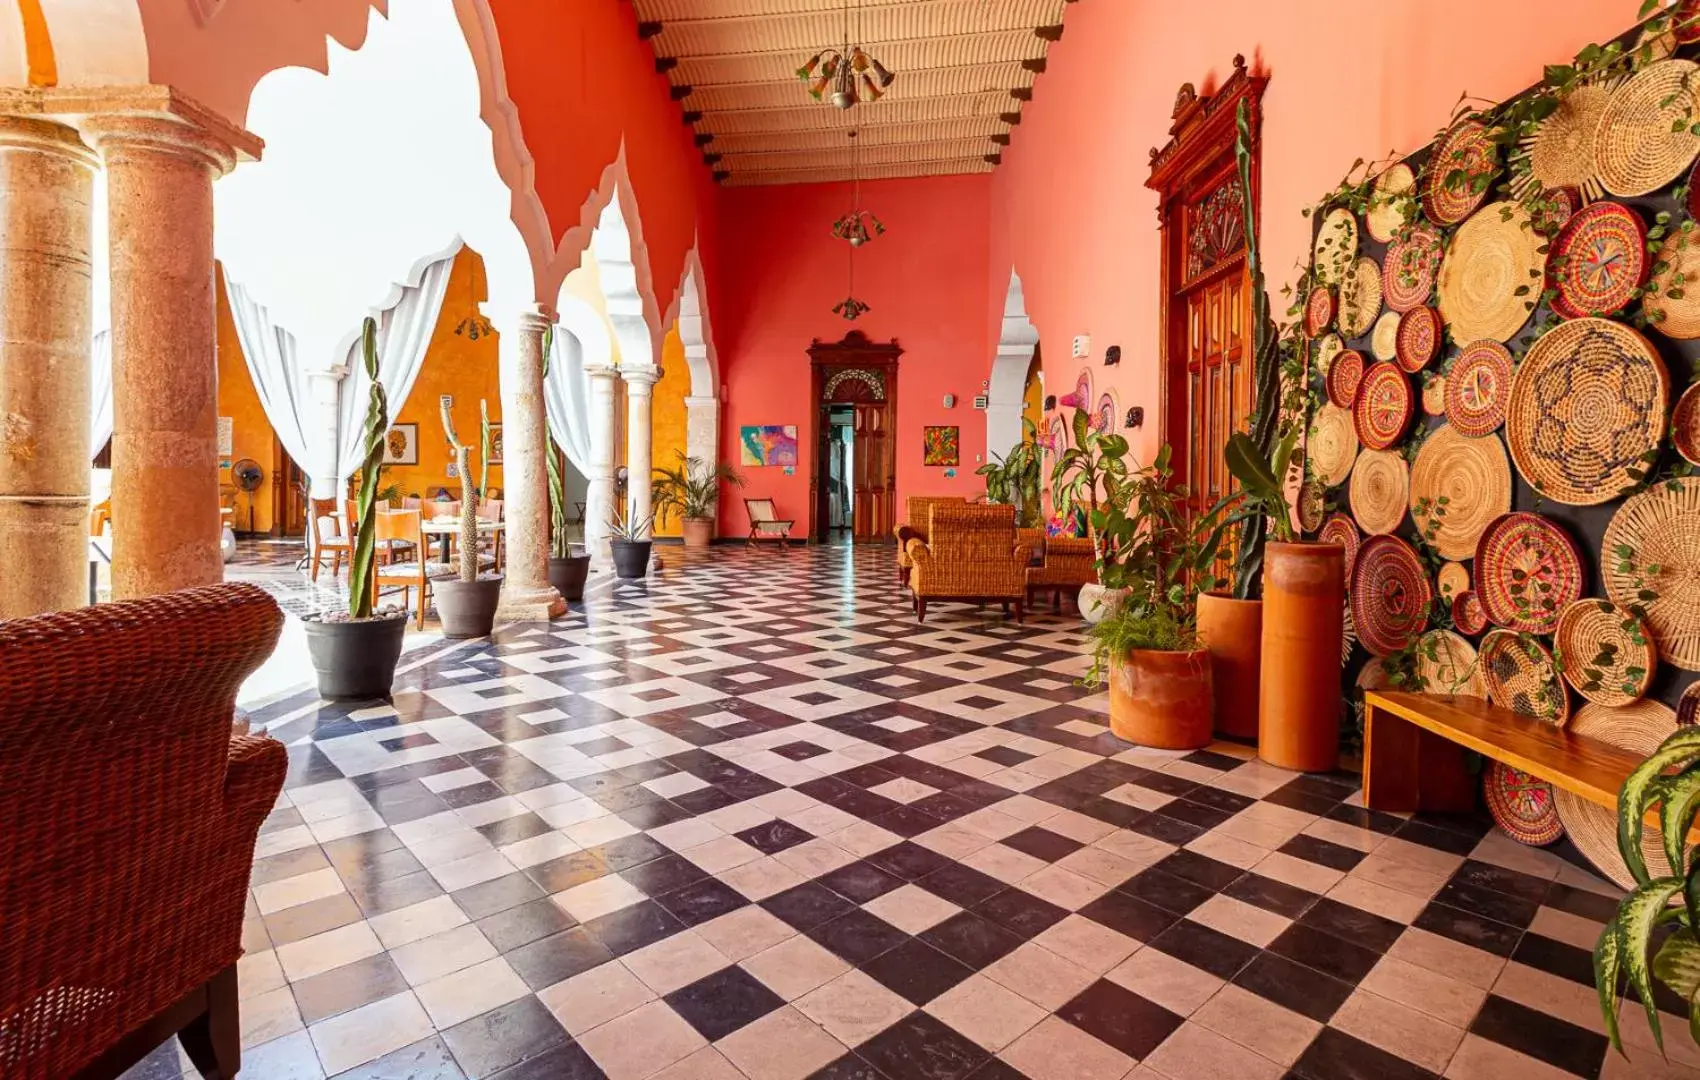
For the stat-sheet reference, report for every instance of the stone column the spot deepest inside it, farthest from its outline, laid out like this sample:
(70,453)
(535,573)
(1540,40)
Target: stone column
(599,495)
(323,431)
(165,509)
(702,428)
(527,595)
(640,382)
(46,195)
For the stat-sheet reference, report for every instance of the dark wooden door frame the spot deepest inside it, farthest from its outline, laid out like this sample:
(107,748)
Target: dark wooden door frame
(836,369)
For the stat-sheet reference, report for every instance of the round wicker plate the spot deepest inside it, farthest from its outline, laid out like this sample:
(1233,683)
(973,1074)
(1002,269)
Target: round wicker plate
(1493,255)
(1390,595)
(1345,372)
(1336,245)
(1339,529)
(1464,155)
(1660,528)
(1598,261)
(1678,271)
(1451,579)
(1319,311)
(1642,141)
(1640,728)
(1467,613)
(1328,346)
(1561,151)
(1332,445)
(1384,406)
(1409,266)
(1522,806)
(1391,201)
(1313,503)
(1380,491)
(1521,677)
(1685,425)
(1447,664)
(1416,341)
(1586,411)
(1478,388)
(1384,339)
(1552,208)
(1527,570)
(1459,486)
(1688,706)
(1434,396)
(1605,651)
(1360,297)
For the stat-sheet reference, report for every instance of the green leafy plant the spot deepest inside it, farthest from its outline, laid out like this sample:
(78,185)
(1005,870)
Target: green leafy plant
(625,526)
(691,488)
(1097,462)
(468,492)
(1013,479)
(362,565)
(1670,780)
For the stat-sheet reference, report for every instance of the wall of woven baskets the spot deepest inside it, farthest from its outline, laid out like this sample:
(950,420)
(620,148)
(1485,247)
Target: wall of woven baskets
(1503,332)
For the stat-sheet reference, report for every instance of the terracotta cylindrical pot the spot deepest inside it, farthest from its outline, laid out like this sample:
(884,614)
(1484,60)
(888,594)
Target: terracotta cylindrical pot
(1232,630)
(1304,590)
(699,532)
(1162,699)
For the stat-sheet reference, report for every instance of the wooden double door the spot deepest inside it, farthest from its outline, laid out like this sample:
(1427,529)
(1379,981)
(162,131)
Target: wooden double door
(861,376)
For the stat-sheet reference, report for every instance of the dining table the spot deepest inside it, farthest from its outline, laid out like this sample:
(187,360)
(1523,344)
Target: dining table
(447,528)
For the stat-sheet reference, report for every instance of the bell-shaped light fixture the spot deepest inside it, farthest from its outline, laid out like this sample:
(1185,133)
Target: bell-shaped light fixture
(848,75)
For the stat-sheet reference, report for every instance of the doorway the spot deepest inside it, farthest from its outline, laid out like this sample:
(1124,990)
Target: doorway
(841,472)
(855,391)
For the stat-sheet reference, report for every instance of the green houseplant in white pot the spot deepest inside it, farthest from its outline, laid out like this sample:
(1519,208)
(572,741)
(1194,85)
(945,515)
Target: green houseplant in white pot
(1096,463)
(354,652)
(691,489)
(466,603)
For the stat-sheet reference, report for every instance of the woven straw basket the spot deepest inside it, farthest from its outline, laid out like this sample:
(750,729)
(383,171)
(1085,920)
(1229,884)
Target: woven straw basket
(1493,254)
(1662,527)
(1640,727)
(1474,478)
(1380,491)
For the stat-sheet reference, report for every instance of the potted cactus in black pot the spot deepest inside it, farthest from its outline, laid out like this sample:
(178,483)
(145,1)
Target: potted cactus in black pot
(569,563)
(355,652)
(629,542)
(466,602)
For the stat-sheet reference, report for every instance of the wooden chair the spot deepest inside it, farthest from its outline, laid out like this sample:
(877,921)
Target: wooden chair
(766,524)
(972,556)
(129,812)
(329,538)
(100,517)
(917,511)
(491,510)
(404,525)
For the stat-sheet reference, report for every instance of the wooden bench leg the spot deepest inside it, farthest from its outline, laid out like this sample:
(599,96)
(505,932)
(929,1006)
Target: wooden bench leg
(1409,768)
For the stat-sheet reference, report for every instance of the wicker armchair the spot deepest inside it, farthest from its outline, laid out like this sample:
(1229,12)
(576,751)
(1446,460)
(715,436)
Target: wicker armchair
(918,510)
(1067,566)
(971,555)
(128,814)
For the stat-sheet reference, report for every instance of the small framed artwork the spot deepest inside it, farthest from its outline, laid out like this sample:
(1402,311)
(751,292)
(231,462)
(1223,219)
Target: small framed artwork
(401,445)
(941,445)
(495,444)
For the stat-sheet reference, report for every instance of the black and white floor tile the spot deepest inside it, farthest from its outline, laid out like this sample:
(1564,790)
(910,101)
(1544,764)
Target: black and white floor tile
(748,821)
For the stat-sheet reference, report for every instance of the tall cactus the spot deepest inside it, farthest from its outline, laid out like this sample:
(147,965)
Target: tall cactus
(483,448)
(468,495)
(362,566)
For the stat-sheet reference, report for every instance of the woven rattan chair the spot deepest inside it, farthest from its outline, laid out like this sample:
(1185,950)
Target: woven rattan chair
(128,814)
(1068,564)
(917,509)
(971,555)
(766,524)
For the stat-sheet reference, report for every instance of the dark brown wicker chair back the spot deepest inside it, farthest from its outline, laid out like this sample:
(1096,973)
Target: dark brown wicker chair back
(128,814)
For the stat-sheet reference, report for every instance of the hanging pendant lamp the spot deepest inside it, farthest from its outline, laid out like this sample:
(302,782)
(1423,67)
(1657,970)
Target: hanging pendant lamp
(847,75)
(857,227)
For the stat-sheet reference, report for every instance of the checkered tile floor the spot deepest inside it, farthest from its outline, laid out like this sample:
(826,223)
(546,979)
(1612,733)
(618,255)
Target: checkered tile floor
(750,820)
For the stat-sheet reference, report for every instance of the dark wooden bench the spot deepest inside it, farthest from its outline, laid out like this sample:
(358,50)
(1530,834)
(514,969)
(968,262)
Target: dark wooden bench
(1414,760)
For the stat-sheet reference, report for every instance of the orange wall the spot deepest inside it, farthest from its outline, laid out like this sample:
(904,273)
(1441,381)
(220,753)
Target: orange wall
(1347,80)
(925,279)
(668,417)
(250,431)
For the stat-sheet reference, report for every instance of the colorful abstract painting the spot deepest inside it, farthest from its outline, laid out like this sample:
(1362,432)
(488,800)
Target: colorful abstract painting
(941,446)
(768,445)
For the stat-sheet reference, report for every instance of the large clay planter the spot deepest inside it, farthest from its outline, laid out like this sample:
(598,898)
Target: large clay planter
(1304,588)
(1162,699)
(1232,630)
(355,661)
(467,609)
(699,532)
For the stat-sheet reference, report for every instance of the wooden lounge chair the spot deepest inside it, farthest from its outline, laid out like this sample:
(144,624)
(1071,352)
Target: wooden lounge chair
(766,524)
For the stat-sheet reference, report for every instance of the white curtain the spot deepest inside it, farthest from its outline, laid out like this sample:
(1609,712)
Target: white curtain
(404,333)
(100,397)
(566,398)
(275,368)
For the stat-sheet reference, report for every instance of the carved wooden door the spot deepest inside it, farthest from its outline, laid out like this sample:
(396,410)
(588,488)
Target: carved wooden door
(1218,367)
(863,375)
(872,464)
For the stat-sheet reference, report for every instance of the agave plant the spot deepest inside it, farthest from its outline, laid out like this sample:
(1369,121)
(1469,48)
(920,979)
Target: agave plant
(362,566)
(691,488)
(628,527)
(468,493)
(1622,951)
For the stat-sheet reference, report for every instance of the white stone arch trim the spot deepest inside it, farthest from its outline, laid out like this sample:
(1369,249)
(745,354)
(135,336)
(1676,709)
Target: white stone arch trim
(1017,338)
(702,404)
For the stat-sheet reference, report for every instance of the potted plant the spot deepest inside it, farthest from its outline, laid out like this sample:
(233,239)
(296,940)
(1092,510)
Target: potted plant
(1670,778)
(1013,479)
(1159,556)
(691,489)
(1097,460)
(629,542)
(354,652)
(569,563)
(467,602)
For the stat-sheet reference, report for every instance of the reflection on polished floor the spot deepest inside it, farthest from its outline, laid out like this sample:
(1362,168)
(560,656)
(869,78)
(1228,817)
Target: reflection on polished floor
(750,820)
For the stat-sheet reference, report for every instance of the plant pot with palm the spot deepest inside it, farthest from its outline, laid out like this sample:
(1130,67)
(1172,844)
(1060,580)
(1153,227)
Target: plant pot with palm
(691,489)
(354,652)
(466,603)
(1097,462)
(629,543)
(1159,557)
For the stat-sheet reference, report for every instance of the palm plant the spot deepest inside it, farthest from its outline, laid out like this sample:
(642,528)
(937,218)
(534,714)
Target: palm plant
(691,488)
(1622,951)
(362,566)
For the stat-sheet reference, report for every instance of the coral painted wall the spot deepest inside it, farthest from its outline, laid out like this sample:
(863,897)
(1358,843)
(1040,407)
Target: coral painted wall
(926,282)
(1069,207)
(250,432)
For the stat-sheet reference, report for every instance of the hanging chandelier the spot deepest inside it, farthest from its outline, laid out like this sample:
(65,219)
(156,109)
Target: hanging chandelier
(857,227)
(846,75)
